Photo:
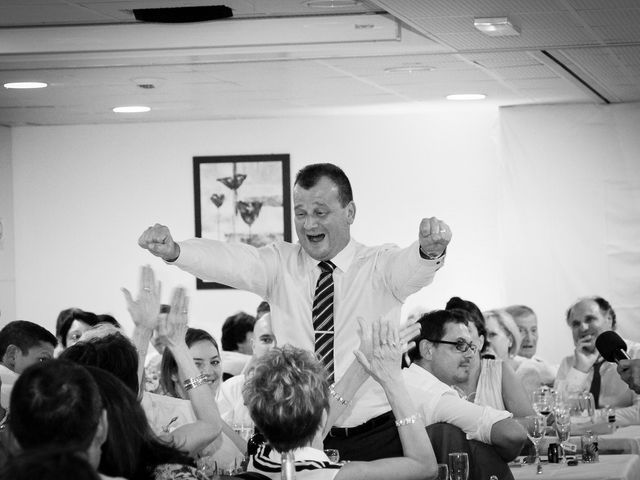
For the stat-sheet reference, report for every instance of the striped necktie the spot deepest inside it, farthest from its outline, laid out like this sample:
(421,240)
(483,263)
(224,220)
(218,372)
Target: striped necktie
(323,317)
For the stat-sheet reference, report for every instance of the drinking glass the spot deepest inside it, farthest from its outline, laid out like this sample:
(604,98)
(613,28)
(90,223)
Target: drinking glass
(563,429)
(458,466)
(536,426)
(542,402)
(443,471)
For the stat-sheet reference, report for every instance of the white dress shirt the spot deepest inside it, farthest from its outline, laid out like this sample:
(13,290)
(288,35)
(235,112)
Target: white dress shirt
(369,282)
(438,402)
(613,391)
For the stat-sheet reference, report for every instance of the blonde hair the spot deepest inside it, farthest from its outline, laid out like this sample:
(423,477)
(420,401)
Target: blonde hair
(509,326)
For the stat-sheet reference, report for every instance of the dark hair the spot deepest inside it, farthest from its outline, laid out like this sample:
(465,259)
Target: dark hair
(286,394)
(106,318)
(89,318)
(308,176)
(55,403)
(169,367)
(262,309)
(235,329)
(49,464)
(604,306)
(63,316)
(24,335)
(475,314)
(114,353)
(433,324)
(131,449)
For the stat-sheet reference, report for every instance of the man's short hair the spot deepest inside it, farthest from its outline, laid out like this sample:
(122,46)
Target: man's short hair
(49,464)
(262,309)
(235,329)
(519,311)
(114,353)
(55,403)
(24,335)
(604,306)
(433,325)
(88,318)
(475,314)
(310,175)
(286,394)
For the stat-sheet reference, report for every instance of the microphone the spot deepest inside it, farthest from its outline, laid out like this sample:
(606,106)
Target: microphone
(611,346)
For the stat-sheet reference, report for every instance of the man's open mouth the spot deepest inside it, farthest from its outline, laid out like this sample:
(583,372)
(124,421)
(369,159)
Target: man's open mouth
(315,238)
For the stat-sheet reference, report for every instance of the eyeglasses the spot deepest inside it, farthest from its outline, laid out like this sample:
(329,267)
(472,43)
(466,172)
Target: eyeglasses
(461,345)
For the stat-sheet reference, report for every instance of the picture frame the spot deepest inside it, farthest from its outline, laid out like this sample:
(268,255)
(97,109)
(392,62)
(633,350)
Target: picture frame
(242,198)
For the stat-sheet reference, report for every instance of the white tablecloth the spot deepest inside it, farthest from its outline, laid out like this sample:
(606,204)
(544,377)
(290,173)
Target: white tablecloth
(610,467)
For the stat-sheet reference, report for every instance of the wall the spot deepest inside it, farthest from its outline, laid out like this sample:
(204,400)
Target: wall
(7,270)
(83,195)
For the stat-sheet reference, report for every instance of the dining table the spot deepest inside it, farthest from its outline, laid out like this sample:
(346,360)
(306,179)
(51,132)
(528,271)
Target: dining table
(608,467)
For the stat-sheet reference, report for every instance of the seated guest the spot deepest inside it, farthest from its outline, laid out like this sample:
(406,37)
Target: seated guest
(50,464)
(58,404)
(72,323)
(230,401)
(22,344)
(494,383)
(117,355)
(131,450)
(532,371)
(586,370)
(237,332)
(287,394)
(442,357)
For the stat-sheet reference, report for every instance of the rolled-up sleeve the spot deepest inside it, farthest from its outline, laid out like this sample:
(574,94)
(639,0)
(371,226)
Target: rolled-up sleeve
(475,420)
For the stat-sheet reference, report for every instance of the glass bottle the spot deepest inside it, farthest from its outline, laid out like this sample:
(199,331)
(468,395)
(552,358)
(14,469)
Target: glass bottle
(589,447)
(288,467)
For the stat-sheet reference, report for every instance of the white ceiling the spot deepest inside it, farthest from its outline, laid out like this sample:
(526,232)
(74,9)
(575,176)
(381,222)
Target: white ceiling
(283,57)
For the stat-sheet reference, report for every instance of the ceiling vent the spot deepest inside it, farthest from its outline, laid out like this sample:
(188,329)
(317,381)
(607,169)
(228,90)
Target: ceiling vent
(182,14)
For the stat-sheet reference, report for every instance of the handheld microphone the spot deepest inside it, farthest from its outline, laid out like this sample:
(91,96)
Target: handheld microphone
(611,346)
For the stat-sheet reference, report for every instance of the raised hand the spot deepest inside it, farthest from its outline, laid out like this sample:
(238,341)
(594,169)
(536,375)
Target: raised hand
(144,310)
(173,328)
(434,236)
(380,350)
(585,354)
(157,239)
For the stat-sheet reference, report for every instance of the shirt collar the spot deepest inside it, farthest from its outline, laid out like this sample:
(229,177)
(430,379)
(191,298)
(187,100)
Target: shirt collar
(344,258)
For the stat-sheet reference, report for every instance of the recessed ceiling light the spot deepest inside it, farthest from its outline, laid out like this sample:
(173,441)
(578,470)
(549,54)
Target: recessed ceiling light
(25,85)
(418,67)
(496,26)
(132,109)
(333,3)
(467,96)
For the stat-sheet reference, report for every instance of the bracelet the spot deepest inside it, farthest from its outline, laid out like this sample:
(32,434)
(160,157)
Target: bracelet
(408,420)
(337,396)
(194,382)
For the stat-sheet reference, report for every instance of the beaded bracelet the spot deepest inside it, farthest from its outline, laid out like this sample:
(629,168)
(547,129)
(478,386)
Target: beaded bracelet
(408,420)
(194,382)
(337,396)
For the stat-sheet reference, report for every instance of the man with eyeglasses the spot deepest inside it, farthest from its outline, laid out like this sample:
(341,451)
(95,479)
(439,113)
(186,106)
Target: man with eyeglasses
(442,357)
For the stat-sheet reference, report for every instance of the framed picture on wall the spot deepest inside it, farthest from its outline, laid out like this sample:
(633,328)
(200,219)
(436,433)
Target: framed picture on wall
(242,198)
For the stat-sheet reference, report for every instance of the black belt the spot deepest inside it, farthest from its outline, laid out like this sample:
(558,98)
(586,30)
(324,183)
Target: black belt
(363,428)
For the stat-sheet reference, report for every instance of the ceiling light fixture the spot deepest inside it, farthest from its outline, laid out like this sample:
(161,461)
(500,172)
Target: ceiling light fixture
(496,26)
(466,96)
(417,67)
(333,3)
(25,85)
(132,109)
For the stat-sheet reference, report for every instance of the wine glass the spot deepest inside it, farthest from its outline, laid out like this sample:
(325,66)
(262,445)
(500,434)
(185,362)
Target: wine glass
(458,466)
(536,426)
(542,402)
(563,428)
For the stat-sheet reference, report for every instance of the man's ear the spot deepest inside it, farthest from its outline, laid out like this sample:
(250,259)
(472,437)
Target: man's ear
(103,429)
(425,347)
(351,212)
(9,358)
